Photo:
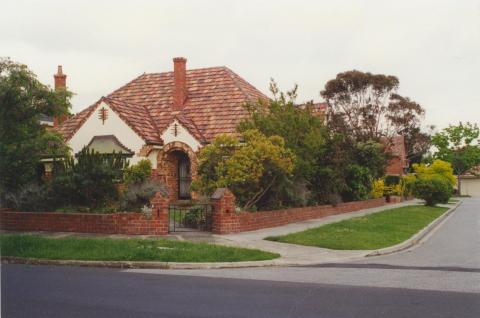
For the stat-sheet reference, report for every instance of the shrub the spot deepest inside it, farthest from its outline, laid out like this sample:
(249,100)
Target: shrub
(406,184)
(30,197)
(438,168)
(433,189)
(358,183)
(88,181)
(392,180)
(138,195)
(250,169)
(138,172)
(378,187)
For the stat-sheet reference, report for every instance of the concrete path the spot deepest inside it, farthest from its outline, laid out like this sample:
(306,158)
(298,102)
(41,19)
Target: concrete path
(292,254)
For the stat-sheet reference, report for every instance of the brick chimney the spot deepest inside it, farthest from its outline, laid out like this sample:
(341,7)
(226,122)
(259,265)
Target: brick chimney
(60,83)
(60,79)
(179,82)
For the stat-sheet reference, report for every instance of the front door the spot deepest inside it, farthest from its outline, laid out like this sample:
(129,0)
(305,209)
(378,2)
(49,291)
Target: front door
(184,177)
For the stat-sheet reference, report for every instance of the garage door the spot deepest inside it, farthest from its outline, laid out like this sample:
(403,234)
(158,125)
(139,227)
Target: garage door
(471,186)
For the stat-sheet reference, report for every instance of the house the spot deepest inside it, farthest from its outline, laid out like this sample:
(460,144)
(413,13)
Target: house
(165,117)
(470,182)
(398,163)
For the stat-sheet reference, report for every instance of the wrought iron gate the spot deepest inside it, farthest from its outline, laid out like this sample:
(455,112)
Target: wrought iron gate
(197,217)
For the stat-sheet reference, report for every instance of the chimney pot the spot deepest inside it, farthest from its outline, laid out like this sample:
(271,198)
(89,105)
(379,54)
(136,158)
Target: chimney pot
(60,79)
(179,82)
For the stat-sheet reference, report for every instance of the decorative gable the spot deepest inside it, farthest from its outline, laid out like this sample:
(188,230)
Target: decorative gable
(112,125)
(177,132)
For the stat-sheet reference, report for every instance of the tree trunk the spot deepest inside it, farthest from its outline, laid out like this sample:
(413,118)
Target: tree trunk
(459,185)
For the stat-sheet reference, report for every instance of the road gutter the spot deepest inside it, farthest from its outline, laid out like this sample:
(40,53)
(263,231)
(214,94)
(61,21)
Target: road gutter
(127,264)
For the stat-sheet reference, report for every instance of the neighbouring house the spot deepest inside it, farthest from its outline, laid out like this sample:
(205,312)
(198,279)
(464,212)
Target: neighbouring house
(398,163)
(165,117)
(470,182)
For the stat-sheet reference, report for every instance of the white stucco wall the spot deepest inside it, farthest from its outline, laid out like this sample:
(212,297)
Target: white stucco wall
(183,135)
(114,125)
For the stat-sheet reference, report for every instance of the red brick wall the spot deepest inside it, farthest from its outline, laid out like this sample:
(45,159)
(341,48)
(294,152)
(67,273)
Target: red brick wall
(396,167)
(116,223)
(226,220)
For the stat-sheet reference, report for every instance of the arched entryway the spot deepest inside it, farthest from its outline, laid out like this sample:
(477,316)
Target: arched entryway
(177,168)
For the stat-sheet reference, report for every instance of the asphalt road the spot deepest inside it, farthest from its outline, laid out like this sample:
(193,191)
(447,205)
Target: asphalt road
(440,278)
(48,291)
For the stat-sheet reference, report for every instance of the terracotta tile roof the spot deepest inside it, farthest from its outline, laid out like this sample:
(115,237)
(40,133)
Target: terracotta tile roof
(69,127)
(137,117)
(215,104)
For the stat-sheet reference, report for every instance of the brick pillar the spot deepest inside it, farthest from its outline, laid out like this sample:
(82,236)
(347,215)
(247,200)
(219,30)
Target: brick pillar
(225,220)
(160,213)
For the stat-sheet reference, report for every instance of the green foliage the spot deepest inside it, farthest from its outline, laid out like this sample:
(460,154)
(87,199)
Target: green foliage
(138,173)
(304,134)
(348,169)
(52,145)
(22,99)
(327,165)
(381,189)
(30,197)
(438,168)
(434,189)
(406,183)
(358,183)
(371,155)
(459,145)
(365,106)
(392,180)
(378,187)
(139,194)
(301,129)
(249,169)
(89,180)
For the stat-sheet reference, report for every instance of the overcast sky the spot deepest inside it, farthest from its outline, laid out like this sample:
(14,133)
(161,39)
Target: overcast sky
(433,47)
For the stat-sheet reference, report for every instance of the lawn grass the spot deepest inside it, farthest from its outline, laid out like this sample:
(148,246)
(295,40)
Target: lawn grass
(95,249)
(368,232)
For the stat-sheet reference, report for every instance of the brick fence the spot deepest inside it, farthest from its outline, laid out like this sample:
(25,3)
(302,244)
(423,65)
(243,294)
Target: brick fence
(115,223)
(226,220)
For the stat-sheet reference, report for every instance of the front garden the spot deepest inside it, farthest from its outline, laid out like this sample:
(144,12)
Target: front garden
(95,249)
